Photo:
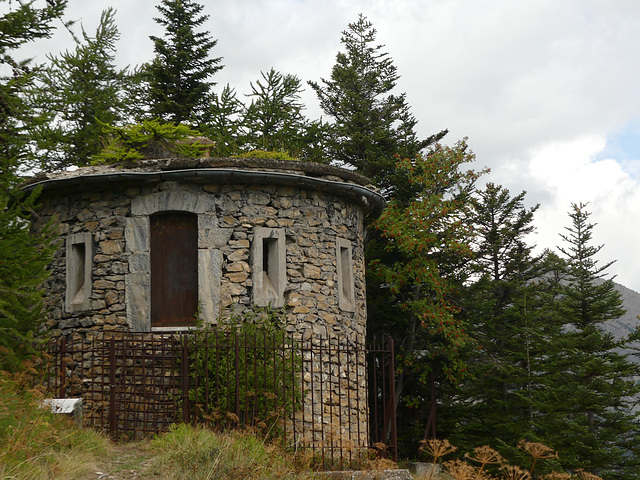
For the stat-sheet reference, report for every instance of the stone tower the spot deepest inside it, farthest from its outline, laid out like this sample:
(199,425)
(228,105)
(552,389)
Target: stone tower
(144,248)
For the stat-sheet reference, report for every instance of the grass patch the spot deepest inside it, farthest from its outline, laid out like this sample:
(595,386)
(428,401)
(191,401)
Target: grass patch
(35,444)
(187,452)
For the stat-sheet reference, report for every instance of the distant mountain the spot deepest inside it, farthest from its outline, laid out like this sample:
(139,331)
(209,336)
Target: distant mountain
(626,324)
(629,321)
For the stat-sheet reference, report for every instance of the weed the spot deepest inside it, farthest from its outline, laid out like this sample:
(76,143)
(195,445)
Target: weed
(37,444)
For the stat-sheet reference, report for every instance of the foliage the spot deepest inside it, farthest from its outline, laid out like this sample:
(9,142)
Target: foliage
(370,124)
(23,255)
(489,464)
(149,139)
(274,120)
(179,75)
(253,371)
(21,25)
(500,302)
(274,117)
(412,275)
(193,453)
(23,260)
(76,94)
(223,122)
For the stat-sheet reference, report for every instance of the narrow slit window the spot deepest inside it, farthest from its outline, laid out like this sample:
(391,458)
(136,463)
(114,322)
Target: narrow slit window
(79,251)
(78,282)
(346,287)
(269,267)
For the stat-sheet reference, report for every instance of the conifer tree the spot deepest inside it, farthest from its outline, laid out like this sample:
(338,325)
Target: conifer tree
(222,122)
(274,119)
(78,93)
(371,124)
(23,256)
(499,304)
(588,413)
(179,76)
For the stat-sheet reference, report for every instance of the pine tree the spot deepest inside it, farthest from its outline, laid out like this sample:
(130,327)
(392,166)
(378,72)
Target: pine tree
(588,412)
(274,119)
(222,122)
(497,403)
(23,256)
(179,76)
(370,123)
(78,93)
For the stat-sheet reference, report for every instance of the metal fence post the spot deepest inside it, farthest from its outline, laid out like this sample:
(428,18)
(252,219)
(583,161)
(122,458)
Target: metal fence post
(185,379)
(112,388)
(63,367)
(237,376)
(392,385)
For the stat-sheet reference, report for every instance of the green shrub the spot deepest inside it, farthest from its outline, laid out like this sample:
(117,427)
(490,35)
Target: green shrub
(149,139)
(252,369)
(273,155)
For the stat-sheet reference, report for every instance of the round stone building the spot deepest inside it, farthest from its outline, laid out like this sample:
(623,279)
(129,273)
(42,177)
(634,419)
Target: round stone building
(146,248)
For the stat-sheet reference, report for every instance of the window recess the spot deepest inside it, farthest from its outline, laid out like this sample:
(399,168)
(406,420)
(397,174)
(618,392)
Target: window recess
(79,253)
(346,287)
(269,267)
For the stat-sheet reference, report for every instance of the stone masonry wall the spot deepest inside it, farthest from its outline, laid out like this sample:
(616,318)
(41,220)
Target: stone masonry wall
(315,224)
(312,221)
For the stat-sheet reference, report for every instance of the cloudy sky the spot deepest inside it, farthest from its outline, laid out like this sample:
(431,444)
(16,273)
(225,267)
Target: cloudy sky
(547,91)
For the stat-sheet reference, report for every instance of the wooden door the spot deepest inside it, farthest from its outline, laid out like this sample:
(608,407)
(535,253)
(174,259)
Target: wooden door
(174,269)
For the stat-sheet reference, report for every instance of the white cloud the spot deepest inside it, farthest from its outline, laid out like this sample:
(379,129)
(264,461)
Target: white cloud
(538,86)
(569,173)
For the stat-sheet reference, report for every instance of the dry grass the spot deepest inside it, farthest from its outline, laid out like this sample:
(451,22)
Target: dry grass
(196,453)
(485,455)
(36,444)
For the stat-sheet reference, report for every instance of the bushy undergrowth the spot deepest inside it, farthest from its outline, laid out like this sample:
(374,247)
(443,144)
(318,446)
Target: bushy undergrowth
(35,444)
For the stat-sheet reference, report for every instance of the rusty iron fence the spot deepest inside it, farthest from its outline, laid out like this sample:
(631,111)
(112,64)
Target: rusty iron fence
(334,400)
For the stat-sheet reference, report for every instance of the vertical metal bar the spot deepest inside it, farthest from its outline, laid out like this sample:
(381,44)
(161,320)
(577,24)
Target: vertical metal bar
(294,400)
(63,366)
(123,380)
(185,380)
(283,356)
(218,373)
(321,369)
(392,384)
(275,372)
(265,376)
(112,388)
(254,401)
(237,376)
(360,355)
(92,378)
(207,388)
(246,419)
(195,369)
(313,403)
(339,354)
(103,381)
